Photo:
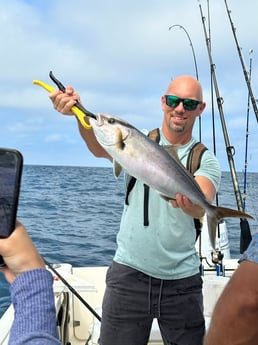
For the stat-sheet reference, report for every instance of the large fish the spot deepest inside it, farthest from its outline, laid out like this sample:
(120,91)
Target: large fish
(149,162)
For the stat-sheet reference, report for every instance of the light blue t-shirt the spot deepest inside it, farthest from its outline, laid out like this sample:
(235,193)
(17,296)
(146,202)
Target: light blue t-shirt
(164,249)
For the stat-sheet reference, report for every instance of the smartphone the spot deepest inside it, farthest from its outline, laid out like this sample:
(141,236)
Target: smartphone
(11,163)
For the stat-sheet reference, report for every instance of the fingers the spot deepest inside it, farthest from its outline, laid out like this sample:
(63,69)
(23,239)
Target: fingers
(181,201)
(187,206)
(19,253)
(64,101)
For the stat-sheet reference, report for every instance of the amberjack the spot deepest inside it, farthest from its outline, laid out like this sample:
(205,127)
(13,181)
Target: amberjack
(149,162)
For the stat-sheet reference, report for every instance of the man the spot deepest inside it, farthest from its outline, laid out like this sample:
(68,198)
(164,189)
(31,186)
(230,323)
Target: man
(31,291)
(235,317)
(155,271)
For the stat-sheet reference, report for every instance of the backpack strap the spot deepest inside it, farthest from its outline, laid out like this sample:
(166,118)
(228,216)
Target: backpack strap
(146,205)
(130,186)
(154,135)
(195,156)
(193,163)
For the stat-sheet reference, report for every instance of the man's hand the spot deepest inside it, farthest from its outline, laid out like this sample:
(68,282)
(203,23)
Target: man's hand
(64,101)
(187,206)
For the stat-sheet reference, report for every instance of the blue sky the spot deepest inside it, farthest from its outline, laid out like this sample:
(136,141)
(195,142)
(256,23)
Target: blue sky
(120,56)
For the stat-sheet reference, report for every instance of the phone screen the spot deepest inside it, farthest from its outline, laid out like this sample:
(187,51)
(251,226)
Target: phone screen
(10,177)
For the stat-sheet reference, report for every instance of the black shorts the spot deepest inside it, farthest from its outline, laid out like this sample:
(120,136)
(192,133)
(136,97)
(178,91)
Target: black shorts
(132,299)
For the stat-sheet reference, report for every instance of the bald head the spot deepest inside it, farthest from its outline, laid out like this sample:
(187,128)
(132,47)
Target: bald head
(185,86)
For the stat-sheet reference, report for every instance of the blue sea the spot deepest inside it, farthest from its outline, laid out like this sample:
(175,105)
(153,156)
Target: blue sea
(73,213)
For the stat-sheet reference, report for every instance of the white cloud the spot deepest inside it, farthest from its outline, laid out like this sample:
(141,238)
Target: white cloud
(120,56)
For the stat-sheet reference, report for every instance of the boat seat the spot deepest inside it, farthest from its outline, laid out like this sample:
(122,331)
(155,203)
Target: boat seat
(155,336)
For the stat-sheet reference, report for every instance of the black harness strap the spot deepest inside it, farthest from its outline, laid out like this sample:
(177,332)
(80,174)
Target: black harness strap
(129,188)
(146,205)
(155,136)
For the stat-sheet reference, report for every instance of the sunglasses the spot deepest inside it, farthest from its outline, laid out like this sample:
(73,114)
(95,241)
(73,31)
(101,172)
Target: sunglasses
(189,104)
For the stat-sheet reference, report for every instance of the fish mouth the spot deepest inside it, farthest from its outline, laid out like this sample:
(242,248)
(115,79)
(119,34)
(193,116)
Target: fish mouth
(99,120)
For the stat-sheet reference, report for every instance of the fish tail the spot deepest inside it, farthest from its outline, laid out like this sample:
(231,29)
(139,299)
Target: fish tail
(216,214)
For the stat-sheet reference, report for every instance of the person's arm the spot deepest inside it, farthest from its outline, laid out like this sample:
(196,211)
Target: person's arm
(31,291)
(235,316)
(63,102)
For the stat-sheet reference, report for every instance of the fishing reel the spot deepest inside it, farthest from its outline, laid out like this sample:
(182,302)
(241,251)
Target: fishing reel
(217,259)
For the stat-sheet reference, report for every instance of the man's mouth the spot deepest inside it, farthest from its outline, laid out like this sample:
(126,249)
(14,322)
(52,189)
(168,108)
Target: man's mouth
(178,118)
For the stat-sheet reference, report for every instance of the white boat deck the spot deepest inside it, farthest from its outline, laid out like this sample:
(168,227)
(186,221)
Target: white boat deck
(77,324)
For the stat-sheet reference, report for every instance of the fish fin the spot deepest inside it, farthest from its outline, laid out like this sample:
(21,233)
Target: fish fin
(219,213)
(212,223)
(172,151)
(117,168)
(119,139)
(165,197)
(225,212)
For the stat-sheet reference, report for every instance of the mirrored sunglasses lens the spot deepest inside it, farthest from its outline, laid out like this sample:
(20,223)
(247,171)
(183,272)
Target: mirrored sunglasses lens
(172,101)
(190,104)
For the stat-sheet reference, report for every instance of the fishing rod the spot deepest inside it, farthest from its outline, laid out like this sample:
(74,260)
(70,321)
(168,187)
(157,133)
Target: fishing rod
(195,65)
(191,45)
(65,282)
(212,91)
(248,82)
(247,132)
(245,237)
(212,110)
(244,225)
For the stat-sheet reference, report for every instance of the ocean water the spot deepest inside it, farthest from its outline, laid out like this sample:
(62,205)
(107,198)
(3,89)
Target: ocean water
(73,214)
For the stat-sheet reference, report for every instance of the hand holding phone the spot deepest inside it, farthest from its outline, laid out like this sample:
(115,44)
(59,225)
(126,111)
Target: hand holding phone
(11,163)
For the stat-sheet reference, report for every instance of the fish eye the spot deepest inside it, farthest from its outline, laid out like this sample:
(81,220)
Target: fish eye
(111,121)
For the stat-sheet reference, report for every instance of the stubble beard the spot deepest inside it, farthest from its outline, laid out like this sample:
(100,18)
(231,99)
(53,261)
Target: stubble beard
(176,128)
